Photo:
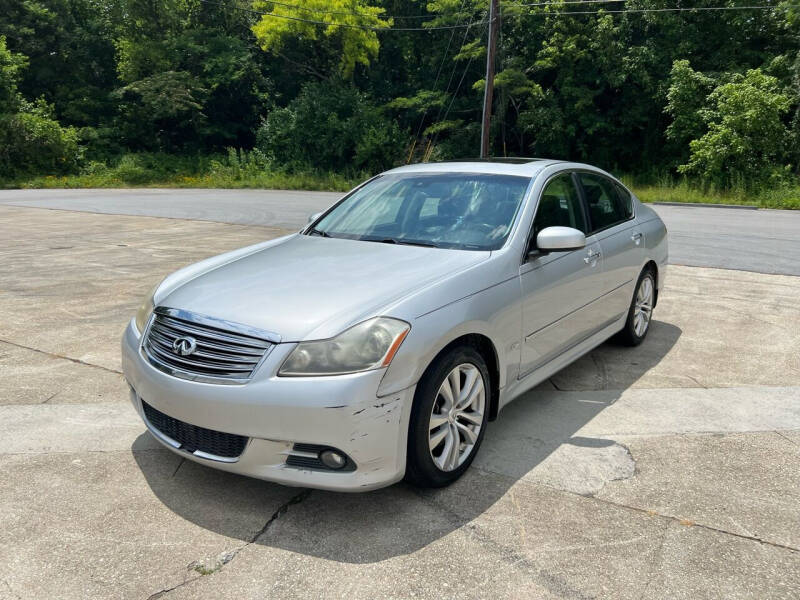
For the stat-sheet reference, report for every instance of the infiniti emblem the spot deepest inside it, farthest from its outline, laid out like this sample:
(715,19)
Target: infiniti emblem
(184,345)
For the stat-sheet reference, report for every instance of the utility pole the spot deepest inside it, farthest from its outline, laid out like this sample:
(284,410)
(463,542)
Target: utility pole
(488,90)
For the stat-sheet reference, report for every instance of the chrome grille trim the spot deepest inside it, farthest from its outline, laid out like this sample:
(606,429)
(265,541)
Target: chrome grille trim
(226,352)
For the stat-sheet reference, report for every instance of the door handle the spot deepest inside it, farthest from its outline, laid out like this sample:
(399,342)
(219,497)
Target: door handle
(636,238)
(591,257)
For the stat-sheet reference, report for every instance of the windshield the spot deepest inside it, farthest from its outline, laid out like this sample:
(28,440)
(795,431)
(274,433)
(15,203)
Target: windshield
(468,211)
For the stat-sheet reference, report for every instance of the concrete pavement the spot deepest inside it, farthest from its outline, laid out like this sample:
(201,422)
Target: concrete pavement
(664,471)
(764,241)
(275,208)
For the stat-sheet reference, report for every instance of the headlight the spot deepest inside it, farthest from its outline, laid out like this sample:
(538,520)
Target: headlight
(145,310)
(368,345)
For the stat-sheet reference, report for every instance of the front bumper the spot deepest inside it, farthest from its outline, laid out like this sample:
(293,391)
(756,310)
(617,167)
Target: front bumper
(343,412)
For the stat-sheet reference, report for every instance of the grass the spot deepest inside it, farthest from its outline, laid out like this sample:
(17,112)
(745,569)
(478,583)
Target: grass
(236,169)
(783,195)
(251,169)
(276,180)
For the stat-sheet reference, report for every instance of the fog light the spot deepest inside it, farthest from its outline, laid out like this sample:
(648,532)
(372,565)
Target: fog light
(332,459)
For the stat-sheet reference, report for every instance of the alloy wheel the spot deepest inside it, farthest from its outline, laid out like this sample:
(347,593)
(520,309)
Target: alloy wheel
(643,308)
(456,417)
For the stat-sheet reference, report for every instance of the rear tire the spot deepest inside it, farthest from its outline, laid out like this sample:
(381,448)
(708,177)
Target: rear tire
(640,312)
(448,418)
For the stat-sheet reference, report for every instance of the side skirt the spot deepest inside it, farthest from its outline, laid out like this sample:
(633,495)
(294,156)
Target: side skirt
(534,378)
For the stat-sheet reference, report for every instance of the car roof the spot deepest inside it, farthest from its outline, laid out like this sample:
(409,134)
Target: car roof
(524,167)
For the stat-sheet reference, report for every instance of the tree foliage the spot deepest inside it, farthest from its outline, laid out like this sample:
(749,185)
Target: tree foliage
(346,24)
(31,140)
(745,137)
(333,123)
(322,84)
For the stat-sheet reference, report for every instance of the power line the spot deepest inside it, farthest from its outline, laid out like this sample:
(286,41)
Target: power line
(333,24)
(450,79)
(557,3)
(455,93)
(567,2)
(351,13)
(439,72)
(467,26)
(649,10)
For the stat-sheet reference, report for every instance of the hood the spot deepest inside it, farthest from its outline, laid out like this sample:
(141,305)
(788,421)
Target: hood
(312,287)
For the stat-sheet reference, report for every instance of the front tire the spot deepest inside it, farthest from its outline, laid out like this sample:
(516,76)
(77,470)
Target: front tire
(448,418)
(640,312)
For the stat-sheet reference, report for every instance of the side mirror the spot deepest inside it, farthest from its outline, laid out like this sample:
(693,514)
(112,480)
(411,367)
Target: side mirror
(313,217)
(560,239)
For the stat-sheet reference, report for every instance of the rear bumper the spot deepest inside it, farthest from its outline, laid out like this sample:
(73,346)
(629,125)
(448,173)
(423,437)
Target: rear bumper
(342,412)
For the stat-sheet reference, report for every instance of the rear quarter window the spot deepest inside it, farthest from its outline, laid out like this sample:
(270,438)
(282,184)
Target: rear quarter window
(607,207)
(625,199)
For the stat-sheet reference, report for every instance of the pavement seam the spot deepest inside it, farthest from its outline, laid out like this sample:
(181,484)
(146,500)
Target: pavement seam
(56,355)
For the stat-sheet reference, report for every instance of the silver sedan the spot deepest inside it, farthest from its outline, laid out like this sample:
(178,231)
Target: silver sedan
(378,342)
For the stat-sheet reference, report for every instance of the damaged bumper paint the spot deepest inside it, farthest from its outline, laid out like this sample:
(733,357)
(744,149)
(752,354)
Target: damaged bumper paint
(275,413)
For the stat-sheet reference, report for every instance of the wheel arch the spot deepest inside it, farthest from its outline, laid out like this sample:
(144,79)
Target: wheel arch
(651,264)
(486,348)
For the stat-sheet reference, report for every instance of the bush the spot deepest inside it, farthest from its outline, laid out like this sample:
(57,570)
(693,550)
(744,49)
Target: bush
(331,126)
(746,138)
(240,164)
(31,141)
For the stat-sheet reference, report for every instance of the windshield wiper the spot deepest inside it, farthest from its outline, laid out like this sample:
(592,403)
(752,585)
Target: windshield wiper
(315,231)
(404,242)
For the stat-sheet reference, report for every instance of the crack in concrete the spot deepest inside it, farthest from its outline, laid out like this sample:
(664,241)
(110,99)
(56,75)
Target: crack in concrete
(180,464)
(689,523)
(788,439)
(55,355)
(696,381)
(297,499)
(198,570)
(165,591)
(680,520)
(51,397)
(556,584)
(658,558)
(510,556)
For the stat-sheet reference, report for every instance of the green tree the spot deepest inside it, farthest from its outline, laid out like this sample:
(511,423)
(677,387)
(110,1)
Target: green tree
(331,125)
(31,140)
(687,95)
(190,77)
(746,138)
(11,64)
(344,23)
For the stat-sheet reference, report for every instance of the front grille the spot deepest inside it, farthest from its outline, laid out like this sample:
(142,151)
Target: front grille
(219,351)
(193,438)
